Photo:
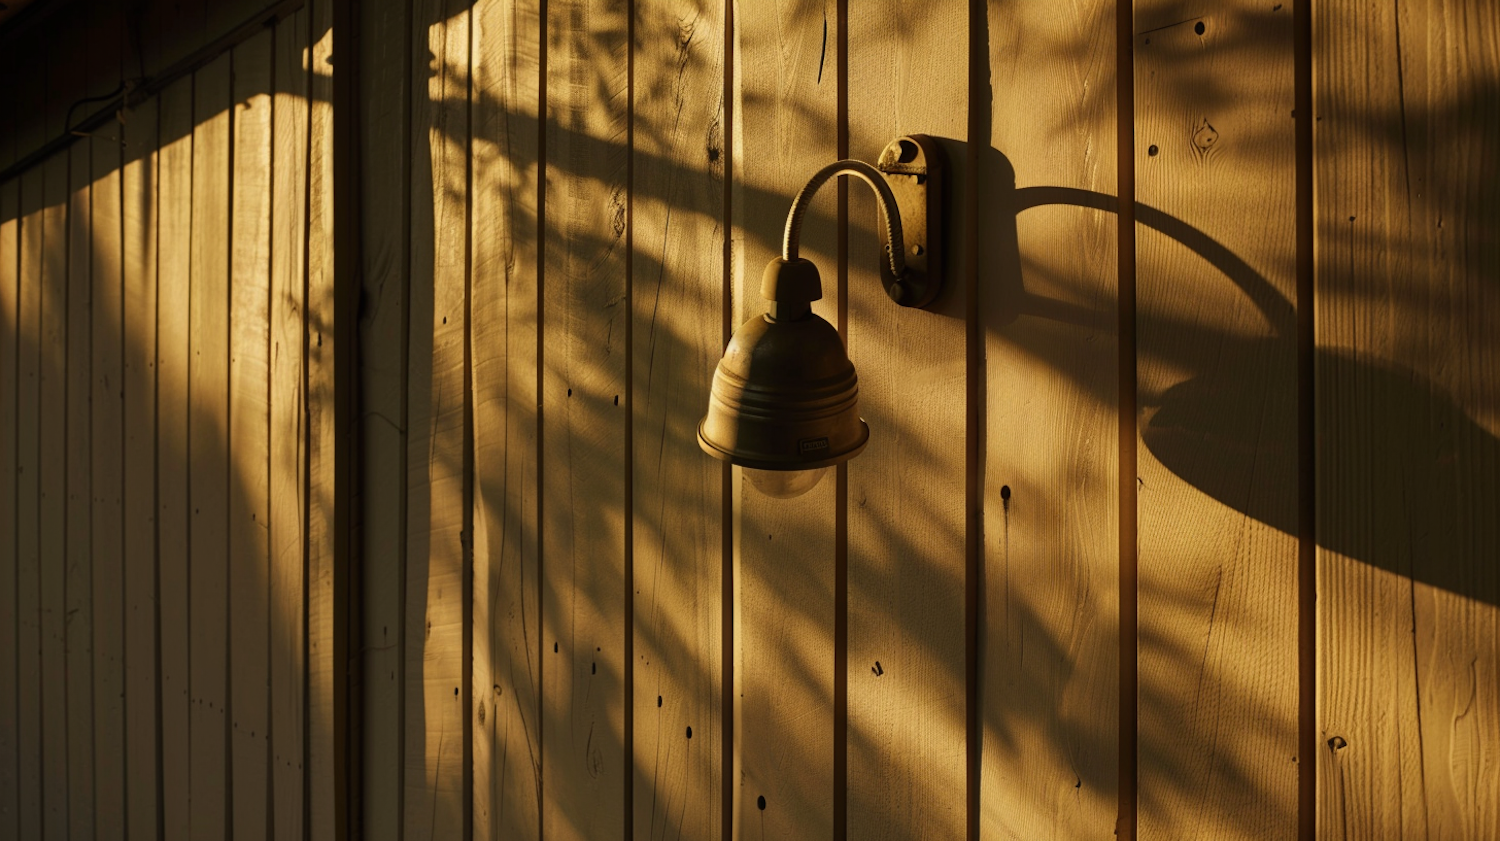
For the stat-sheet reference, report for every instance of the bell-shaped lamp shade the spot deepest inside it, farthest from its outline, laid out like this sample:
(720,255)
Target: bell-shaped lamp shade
(785,396)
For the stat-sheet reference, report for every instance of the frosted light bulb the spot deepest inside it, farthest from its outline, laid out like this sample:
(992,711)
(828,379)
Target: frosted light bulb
(785,484)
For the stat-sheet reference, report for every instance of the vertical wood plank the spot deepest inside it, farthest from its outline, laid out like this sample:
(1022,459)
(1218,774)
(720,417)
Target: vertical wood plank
(1408,421)
(108,476)
(1217,387)
(288,433)
(384,106)
(322,671)
(28,507)
(1047,297)
(143,738)
(52,531)
(435,770)
(10,408)
(906,490)
(173,329)
(507,636)
(787,119)
(249,441)
(583,527)
(677,291)
(78,586)
(208,454)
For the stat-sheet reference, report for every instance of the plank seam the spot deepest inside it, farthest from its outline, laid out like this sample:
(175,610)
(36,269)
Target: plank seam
(841,473)
(1307,548)
(541,424)
(727,768)
(974,414)
(628,752)
(1125,255)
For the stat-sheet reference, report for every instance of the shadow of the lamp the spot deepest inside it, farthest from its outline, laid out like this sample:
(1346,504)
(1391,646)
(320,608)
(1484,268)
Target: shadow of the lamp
(1406,480)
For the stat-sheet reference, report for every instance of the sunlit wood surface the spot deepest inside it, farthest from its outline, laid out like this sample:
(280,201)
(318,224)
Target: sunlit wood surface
(155,338)
(563,620)
(786,555)
(1408,364)
(1216,461)
(1047,292)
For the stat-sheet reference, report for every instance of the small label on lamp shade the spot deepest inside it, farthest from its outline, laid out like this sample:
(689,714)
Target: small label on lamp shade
(812,445)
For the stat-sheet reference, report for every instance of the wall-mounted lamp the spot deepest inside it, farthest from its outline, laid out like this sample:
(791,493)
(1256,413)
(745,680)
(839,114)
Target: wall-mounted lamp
(785,398)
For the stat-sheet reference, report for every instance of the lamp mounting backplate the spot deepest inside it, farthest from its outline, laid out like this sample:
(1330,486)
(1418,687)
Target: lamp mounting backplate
(913,167)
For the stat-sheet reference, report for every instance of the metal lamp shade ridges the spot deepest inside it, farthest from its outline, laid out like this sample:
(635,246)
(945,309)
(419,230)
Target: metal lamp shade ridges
(784,397)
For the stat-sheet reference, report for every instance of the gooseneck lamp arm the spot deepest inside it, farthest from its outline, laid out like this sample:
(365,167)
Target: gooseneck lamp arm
(896,252)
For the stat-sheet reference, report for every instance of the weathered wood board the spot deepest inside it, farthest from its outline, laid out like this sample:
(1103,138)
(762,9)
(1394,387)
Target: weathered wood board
(1217,389)
(678,296)
(28,468)
(507,643)
(437,550)
(208,451)
(324,673)
(384,103)
(287,439)
(1408,423)
(585,352)
(249,430)
(78,583)
(173,241)
(52,446)
(107,481)
(10,652)
(906,669)
(786,120)
(1047,293)
(142,660)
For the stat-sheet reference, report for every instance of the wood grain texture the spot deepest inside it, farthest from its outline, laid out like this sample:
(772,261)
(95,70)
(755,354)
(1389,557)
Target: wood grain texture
(10,604)
(78,586)
(436,552)
(384,105)
(107,481)
(583,381)
(174,236)
(323,673)
(1408,367)
(288,428)
(1048,305)
(142,655)
(209,473)
(249,431)
(28,508)
(786,127)
(906,731)
(677,291)
(507,635)
(52,497)
(1217,387)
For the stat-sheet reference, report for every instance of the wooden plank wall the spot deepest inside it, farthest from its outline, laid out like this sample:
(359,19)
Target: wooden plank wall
(1408,469)
(1178,514)
(155,439)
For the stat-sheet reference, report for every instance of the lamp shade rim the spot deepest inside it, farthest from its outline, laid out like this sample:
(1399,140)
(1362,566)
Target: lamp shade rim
(742,460)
